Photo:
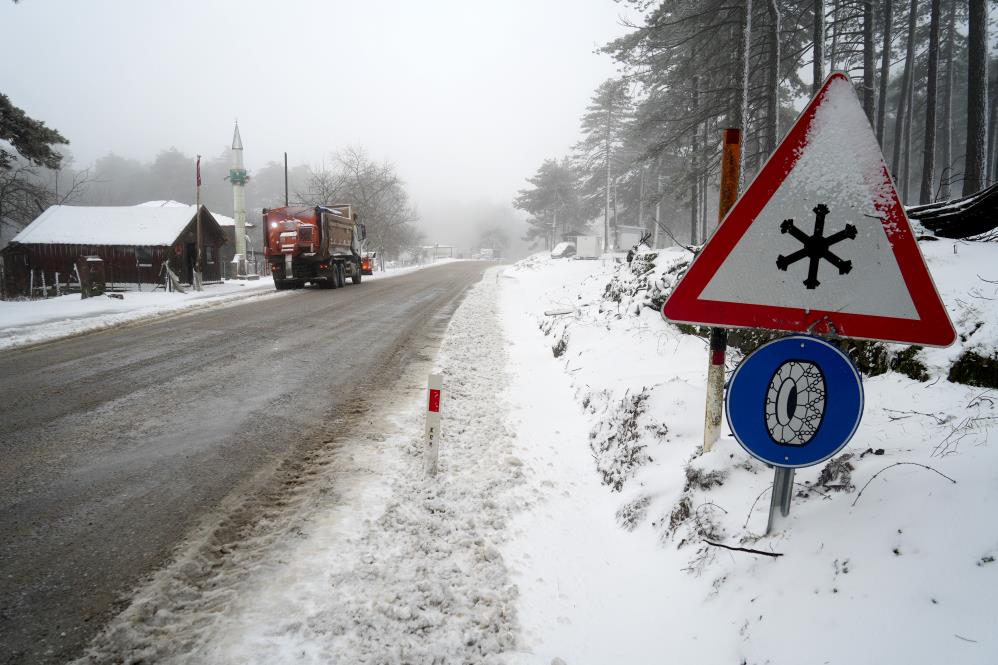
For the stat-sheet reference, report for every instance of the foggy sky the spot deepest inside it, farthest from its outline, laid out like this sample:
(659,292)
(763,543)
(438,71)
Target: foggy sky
(465,97)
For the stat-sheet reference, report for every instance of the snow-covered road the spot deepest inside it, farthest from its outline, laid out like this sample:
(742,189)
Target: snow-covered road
(369,561)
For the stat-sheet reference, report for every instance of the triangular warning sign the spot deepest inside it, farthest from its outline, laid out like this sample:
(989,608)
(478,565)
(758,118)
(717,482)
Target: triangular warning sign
(819,242)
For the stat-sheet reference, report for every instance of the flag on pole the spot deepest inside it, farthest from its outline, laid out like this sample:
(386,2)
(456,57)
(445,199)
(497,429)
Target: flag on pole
(199,171)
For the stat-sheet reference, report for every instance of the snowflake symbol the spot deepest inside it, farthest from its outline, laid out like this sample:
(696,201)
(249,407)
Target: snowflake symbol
(815,246)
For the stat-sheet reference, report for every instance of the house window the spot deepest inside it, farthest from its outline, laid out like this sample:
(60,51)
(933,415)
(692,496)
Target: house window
(209,254)
(143,257)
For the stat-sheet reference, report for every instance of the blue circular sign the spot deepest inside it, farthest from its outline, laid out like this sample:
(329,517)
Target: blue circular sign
(794,402)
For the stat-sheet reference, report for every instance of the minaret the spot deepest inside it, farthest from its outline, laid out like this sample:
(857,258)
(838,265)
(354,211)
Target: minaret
(238,178)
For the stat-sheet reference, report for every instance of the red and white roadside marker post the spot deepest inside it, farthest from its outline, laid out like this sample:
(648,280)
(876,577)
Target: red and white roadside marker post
(434,388)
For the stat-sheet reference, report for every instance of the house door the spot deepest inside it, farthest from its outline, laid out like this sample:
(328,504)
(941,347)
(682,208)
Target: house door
(190,261)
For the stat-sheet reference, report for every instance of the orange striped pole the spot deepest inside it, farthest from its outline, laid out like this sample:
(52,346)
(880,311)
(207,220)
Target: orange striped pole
(730,173)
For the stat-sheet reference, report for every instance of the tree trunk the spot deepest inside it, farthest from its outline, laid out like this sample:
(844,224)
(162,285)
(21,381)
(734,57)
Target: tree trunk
(946,155)
(833,54)
(606,166)
(641,197)
(904,94)
(658,202)
(818,40)
(740,118)
(705,142)
(868,60)
(695,176)
(929,148)
(992,121)
(906,145)
(885,71)
(773,79)
(977,100)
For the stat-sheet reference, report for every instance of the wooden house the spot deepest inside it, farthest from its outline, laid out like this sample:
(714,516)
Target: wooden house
(132,241)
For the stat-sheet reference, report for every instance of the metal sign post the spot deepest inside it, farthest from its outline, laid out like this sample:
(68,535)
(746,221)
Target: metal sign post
(792,403)
(783,490)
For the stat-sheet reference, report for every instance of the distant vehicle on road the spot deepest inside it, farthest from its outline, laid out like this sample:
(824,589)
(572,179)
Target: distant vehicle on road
(563,250)
(367,263)
(319,244)
(588,247)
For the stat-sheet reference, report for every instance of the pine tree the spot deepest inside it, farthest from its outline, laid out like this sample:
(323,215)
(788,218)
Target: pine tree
(30,138)
(552,201)
(604,130)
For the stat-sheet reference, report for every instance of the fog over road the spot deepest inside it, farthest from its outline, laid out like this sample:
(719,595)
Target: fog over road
(115,445)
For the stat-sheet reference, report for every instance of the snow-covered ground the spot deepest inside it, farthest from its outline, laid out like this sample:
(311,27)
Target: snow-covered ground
(884,557)
(25,322)
(570,518)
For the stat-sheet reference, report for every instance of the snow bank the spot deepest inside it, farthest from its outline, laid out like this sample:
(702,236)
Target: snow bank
(24,322)
(885,555)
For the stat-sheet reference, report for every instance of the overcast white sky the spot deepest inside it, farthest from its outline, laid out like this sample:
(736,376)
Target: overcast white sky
(465,97)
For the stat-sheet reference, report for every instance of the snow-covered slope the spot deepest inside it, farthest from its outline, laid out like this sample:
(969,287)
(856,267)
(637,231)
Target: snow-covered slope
(888,554)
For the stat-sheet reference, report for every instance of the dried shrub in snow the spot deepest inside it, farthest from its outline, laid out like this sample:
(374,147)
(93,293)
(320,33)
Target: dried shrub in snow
(837,474)
(697,478)
(646,282)
(560,346)
(616,441)
(633,512)
(975,370)
(700,522)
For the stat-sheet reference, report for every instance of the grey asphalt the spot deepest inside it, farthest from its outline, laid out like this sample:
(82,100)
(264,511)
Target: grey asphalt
(114,445)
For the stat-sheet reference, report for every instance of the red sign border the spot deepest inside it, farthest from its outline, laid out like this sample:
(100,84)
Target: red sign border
(932,328)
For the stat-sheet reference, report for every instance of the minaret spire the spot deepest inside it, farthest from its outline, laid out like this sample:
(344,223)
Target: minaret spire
(238,178)
(237,141)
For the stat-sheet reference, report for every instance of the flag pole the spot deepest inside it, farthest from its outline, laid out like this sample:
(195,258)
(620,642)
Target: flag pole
(199,261)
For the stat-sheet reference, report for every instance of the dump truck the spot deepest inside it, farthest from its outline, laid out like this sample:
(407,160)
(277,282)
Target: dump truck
(320,245)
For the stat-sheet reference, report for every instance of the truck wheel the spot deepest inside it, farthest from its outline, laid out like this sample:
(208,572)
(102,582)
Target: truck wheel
(280,284)
(356,272)
(340,278)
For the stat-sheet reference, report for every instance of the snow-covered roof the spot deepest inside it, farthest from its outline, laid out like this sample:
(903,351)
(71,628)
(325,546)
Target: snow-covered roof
(221,219)
(161,204)
(108,225)
(225,221)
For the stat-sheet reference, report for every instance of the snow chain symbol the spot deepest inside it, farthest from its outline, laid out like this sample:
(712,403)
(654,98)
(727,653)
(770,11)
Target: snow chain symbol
(795,403)
(815,246)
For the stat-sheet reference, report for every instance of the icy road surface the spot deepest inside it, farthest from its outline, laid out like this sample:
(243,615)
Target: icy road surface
(118,445)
